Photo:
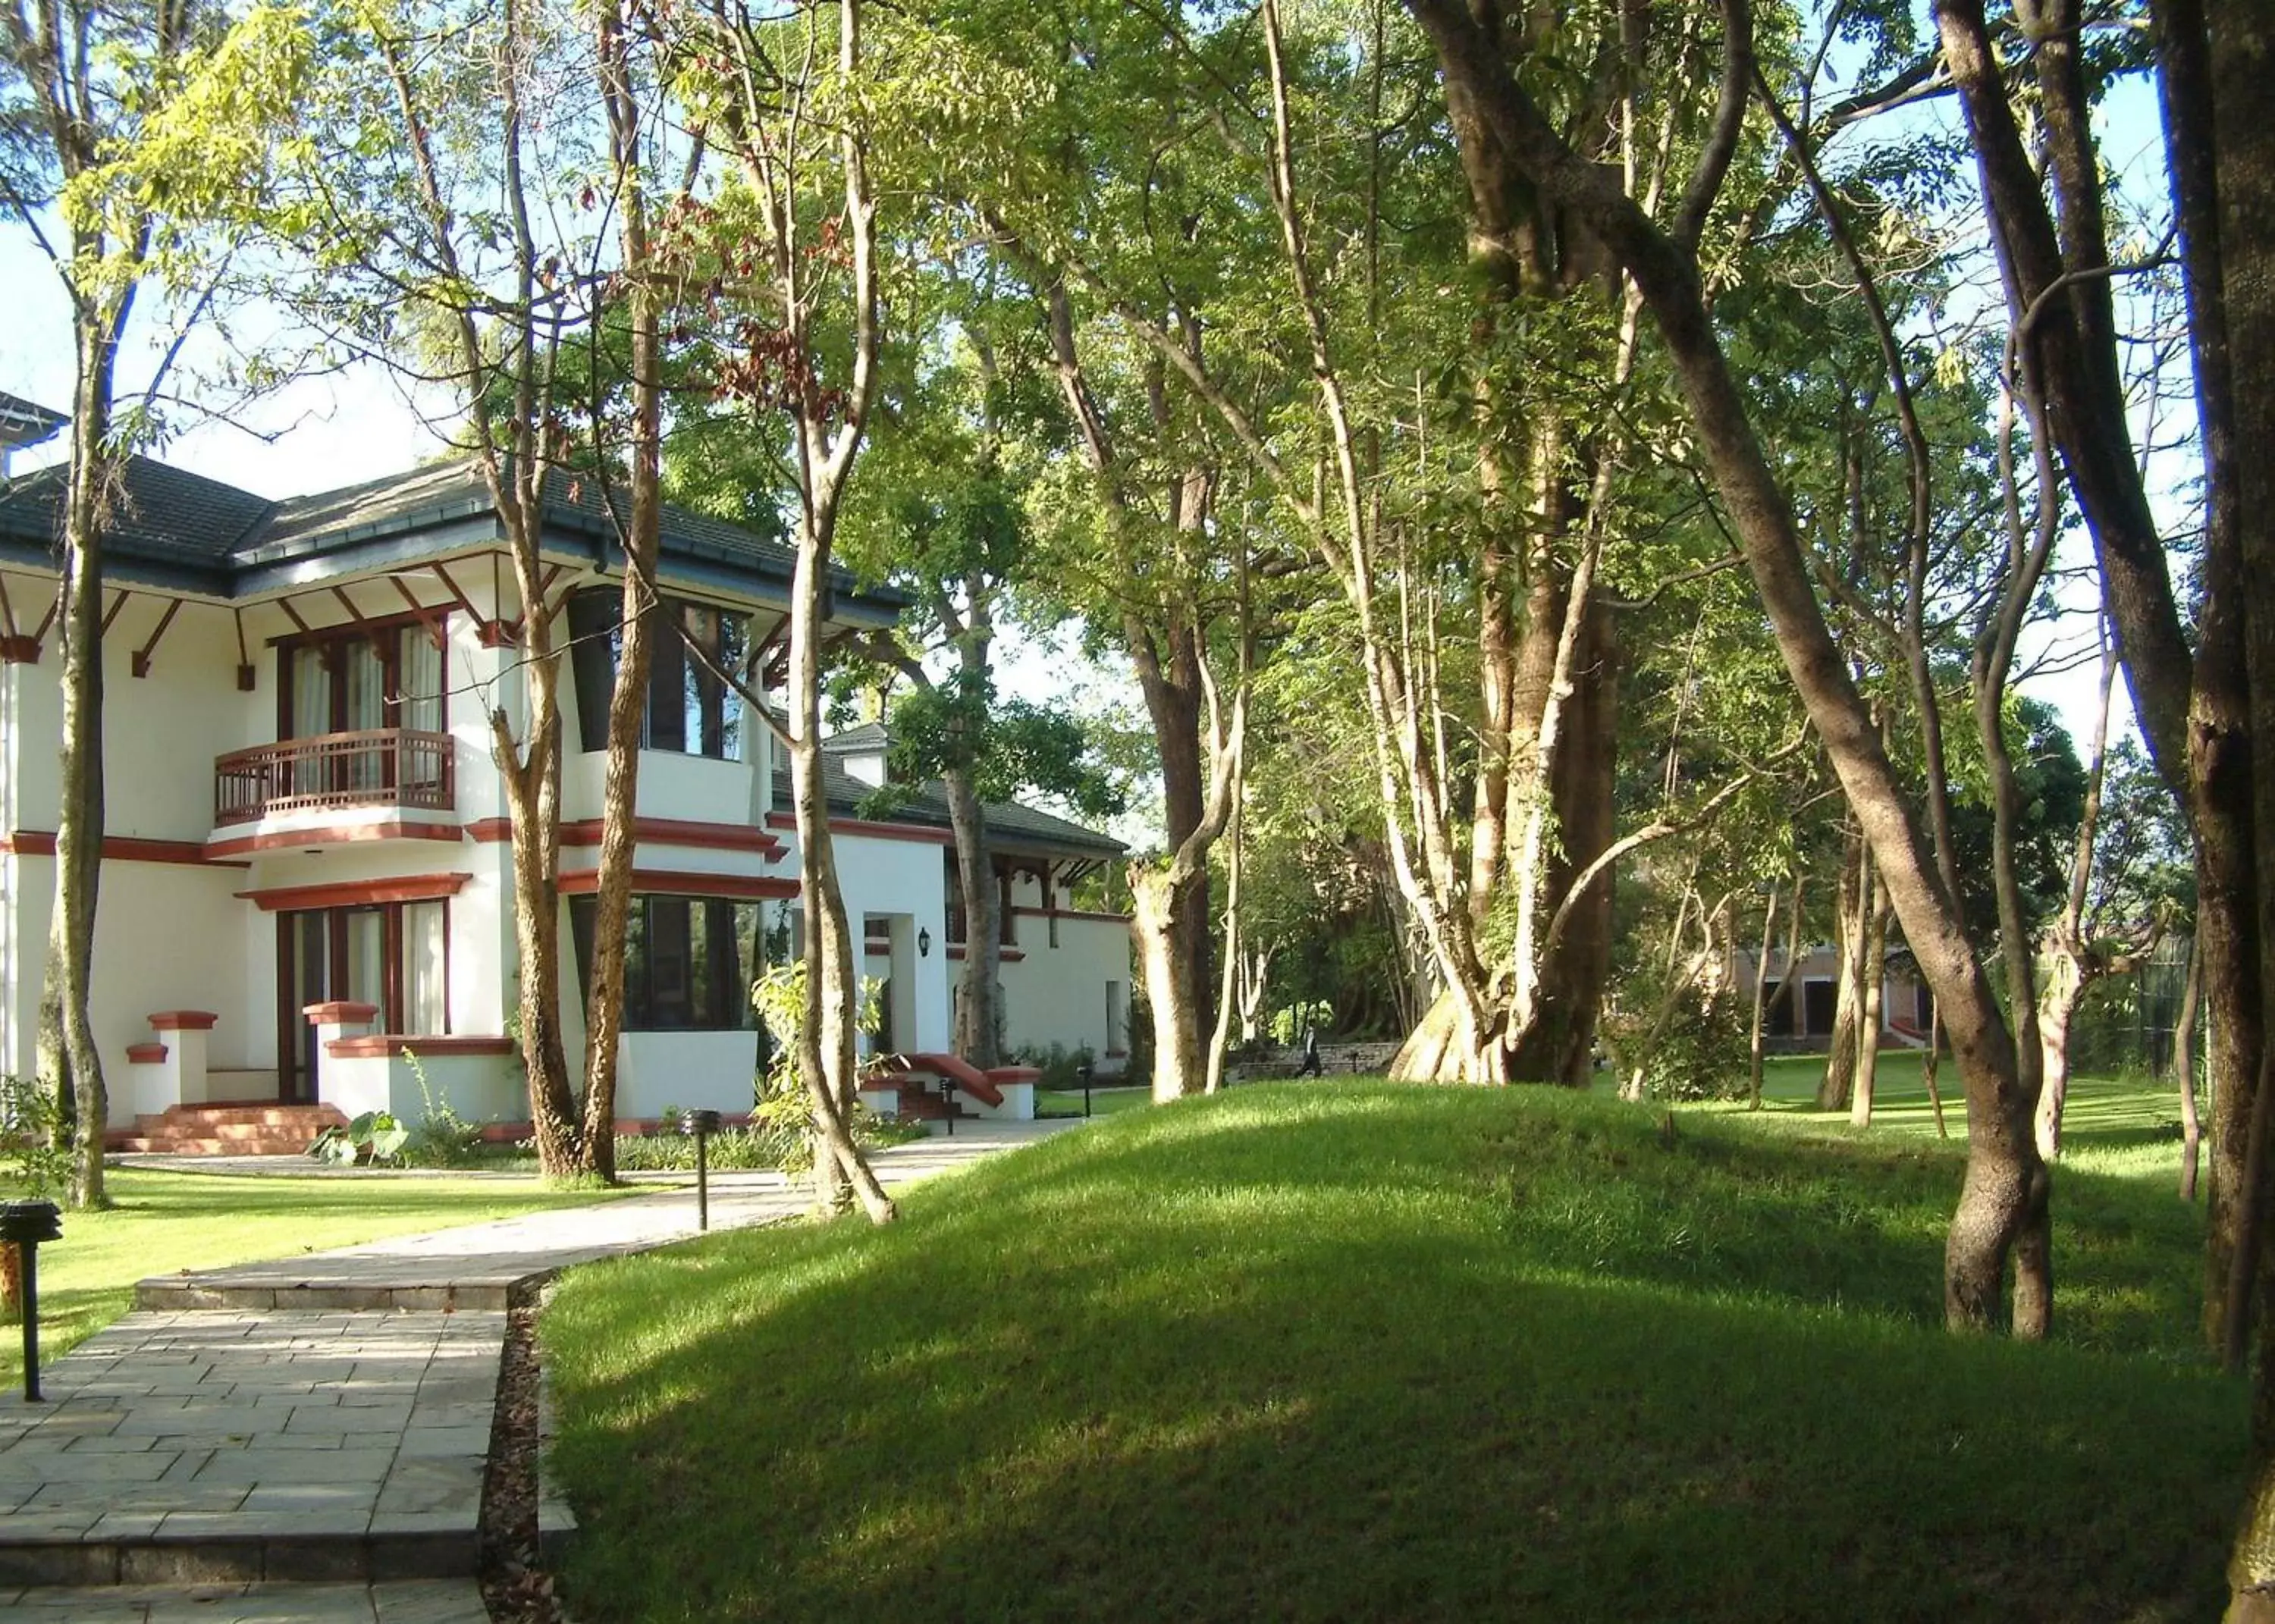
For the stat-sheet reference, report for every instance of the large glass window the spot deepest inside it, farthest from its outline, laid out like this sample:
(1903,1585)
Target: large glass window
(689,709)
(349,679)
(689,961)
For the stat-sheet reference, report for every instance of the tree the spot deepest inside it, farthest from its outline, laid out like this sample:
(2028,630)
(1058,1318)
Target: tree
(111,119)
(809,359)
(957,536)
(2002,1211)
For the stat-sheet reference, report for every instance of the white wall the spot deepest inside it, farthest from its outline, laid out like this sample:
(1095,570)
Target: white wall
(167,936)
(1059,994)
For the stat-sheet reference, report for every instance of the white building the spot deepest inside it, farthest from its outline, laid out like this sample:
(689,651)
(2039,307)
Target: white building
(306,877)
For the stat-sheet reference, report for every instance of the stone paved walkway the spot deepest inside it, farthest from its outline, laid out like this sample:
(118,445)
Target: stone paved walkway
(324,1417)
(416,1601)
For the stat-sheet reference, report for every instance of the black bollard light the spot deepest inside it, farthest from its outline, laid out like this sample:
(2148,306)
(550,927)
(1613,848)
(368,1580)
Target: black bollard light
(948,1102)
(702,1125)
(1087,1068)
(26,1224)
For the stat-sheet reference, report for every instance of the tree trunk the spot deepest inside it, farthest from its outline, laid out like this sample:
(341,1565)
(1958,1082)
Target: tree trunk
(1930,1067)
(2184,1068)
(1873,972)
(2060,993)
(825,1033)
(1754,1054)
(69,1057)
(1154,901)
(1837,1089)
(639,533)
(978,1018)
(1558,1045)
(1235,948)
(533,803)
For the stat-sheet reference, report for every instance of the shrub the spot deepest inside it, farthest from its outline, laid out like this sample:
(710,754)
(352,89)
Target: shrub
(37,1159)
(373,1139)
(1061,1066)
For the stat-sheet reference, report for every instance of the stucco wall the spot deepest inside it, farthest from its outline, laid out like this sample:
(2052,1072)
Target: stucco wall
(1059,994)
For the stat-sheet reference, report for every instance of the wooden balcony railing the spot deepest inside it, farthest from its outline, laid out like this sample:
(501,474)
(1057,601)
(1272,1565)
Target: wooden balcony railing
(380,767)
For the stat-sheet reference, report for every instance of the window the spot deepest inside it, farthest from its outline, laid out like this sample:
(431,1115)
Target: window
(689,710)
(689,961)
(351,679)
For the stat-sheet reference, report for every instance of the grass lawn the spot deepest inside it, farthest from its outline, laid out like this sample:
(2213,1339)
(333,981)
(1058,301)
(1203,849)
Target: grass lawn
(1103,1101)
(1353,1351)
(163,1222)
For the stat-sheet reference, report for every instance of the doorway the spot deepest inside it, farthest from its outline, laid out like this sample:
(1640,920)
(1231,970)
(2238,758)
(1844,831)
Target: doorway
(392,956)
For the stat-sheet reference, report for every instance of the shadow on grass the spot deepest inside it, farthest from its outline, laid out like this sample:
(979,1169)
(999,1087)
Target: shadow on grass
(1364,1353)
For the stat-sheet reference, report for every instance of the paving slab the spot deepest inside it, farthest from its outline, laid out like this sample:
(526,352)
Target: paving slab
(481,1265)
(290,1434)
(417,1601)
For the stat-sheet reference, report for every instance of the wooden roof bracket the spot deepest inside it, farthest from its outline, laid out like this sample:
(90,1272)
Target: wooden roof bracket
(426,613)
(361,622)
(140,664)
(248,679)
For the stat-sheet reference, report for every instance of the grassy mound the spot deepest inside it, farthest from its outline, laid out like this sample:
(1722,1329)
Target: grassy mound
(1356,1352)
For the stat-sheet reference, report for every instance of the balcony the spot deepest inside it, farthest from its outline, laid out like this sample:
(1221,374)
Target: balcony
(379,766)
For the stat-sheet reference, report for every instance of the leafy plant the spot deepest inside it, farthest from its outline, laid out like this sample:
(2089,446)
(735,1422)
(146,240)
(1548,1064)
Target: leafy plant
(373,1139)
(441,1138)
(32,1142)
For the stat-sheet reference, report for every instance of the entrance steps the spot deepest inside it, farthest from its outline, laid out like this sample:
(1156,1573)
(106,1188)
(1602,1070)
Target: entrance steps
(242,1128)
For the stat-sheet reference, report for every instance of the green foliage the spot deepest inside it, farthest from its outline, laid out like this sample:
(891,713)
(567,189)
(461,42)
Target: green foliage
(1061,1066)
(441,1138)
(33,1148)
(373,1139)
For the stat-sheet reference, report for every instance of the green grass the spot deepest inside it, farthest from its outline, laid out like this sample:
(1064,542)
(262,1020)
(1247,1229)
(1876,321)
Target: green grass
(164,1222)
(1353,1351)
(1103,1101)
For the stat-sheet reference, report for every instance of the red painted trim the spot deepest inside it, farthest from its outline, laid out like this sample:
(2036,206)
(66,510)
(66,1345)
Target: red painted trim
(878,949)
(117,848)
(375,1044)
(20,651)
(352,892)
(865,829)
(145,1053)
(338,835)
(656,831)
(496,634)
(1014,1074)
(682,882)
(183,1021)
(1008,955)
(339,1012)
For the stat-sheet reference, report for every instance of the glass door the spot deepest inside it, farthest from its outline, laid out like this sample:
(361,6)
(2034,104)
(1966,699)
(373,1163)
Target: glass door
(324,955)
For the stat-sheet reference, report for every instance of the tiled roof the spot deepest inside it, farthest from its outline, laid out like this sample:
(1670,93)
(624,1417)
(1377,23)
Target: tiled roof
(166,516)
(204,536)
(1010,825)
(26,422)
(861,741)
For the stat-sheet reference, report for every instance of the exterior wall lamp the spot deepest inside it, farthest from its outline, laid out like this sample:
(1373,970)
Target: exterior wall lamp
(924,941)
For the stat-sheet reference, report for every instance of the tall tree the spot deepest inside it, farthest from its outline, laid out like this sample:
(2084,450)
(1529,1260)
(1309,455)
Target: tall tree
(809,361)
(101,106)
(2002,1213)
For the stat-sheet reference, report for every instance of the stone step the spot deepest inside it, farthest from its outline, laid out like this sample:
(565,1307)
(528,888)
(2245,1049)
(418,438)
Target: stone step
(191,1145)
